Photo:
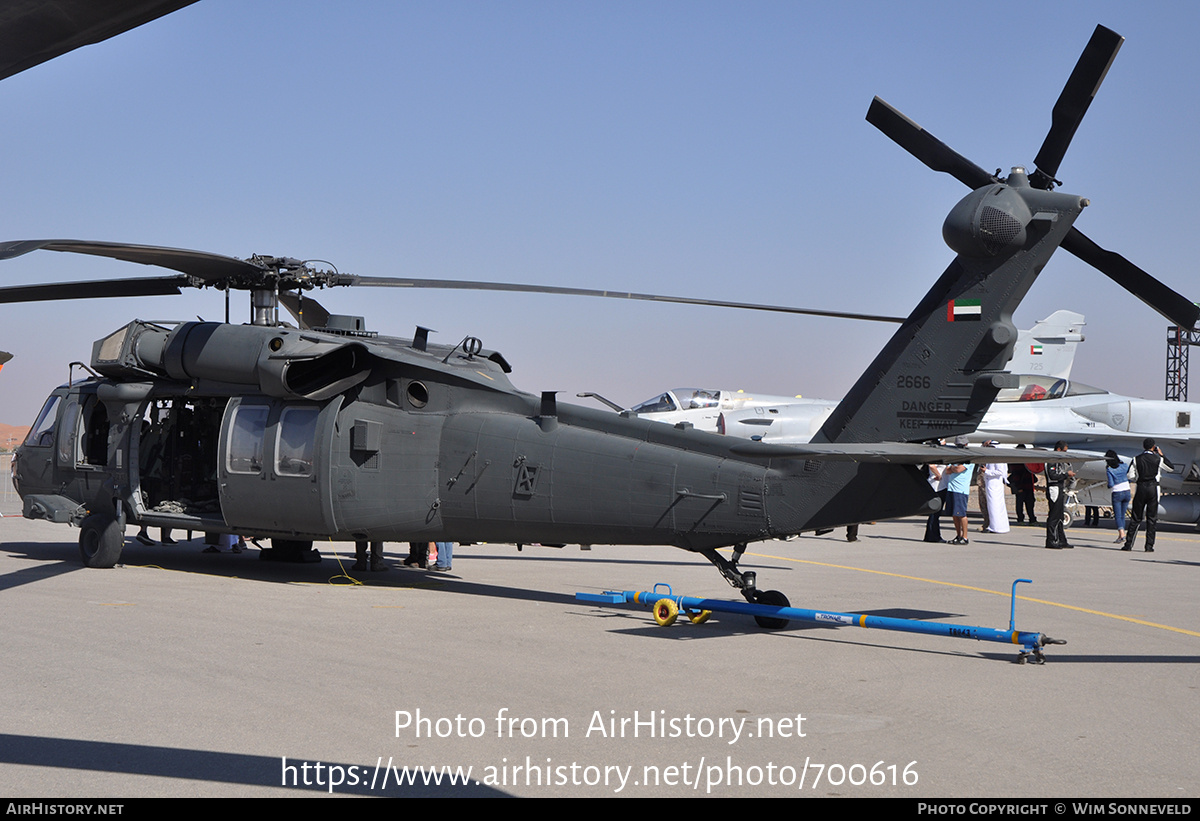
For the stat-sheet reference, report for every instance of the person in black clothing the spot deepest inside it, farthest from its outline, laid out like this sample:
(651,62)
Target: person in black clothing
(1145,471)
(1057,476)
(1022,481)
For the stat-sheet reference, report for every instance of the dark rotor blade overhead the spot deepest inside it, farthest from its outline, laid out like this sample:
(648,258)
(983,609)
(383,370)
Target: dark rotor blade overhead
(34,31)
(466,285)
(98,289)
(926,147)
(1174,306)
(212,268)
(1073,102)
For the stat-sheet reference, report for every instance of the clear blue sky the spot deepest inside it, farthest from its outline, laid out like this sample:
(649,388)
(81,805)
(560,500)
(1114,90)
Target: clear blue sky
(704,149)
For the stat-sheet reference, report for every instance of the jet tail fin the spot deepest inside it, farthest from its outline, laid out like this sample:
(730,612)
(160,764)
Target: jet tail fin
(1048,348)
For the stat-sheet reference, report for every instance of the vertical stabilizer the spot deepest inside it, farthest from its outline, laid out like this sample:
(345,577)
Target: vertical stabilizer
(941,370)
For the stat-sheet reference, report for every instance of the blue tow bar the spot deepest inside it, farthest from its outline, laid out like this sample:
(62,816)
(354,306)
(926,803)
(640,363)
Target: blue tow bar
(666,607)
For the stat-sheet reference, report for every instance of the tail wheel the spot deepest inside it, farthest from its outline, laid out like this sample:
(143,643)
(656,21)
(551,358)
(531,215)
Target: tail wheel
(665,612)
(100,540)
(772,598)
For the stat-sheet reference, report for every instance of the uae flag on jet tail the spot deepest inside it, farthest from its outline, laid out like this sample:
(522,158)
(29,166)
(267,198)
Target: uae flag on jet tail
(964,310)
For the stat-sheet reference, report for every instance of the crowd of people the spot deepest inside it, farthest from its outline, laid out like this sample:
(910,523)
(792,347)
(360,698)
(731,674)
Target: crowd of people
(1134,486)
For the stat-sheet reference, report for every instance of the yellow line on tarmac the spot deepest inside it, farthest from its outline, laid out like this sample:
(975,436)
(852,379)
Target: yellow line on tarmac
(1006,594)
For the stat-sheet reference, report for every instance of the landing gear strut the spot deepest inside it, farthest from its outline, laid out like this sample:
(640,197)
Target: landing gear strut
(744,582)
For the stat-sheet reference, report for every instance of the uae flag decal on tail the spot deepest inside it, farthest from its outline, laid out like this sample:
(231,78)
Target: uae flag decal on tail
(964,310)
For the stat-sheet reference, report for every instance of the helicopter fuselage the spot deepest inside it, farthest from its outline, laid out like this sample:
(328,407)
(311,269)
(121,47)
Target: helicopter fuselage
(311,435)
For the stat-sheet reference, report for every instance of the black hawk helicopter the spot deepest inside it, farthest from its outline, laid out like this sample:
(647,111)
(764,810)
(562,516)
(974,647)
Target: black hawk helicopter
(328,430)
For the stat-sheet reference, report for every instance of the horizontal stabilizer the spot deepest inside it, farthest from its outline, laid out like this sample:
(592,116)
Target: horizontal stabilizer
(905,453)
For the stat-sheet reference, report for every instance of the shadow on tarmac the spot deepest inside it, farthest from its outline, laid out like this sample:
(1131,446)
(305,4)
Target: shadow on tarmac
(233,768)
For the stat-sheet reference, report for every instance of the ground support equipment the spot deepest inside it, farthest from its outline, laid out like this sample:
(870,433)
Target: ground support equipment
(666,607)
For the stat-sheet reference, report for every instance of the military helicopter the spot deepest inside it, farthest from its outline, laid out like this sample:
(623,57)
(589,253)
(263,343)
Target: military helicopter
(331,431)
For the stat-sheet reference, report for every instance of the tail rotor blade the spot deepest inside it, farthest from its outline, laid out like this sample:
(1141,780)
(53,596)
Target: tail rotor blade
(926,147)
(1174,306)
(1073,103)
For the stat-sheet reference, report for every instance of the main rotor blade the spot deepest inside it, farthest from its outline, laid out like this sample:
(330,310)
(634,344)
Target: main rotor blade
(465,285)
(34,31)
(211,268)
(926,147)
(1174,306)
(1073,103)
(95,289)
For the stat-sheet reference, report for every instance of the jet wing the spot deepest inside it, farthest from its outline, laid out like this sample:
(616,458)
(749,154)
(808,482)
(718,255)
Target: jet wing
(905,453)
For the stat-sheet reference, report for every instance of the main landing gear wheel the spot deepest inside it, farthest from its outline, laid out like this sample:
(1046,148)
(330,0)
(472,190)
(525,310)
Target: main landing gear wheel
(665,612)
(772,598)
(100,540)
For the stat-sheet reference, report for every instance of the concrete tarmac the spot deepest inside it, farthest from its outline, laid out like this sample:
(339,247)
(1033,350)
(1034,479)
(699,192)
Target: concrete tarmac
(182,673)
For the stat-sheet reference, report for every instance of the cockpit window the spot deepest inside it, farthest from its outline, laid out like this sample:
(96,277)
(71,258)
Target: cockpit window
(1080,389)
(1035,388)
(692,398)
(659,404)
(42,432)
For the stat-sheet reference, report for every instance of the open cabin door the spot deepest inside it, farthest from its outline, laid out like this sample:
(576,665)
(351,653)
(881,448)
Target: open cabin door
(176,460)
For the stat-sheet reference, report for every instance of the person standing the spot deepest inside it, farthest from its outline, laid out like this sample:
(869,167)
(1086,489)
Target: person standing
(933,525)
(1057,476)
(994,476)
(1144,473)
(418,554)
(443,562)
(958,492)
(376,562)
(1118,484)
(1023,483)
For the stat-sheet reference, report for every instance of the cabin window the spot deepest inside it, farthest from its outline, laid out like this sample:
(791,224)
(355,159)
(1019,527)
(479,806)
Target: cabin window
(297,442)
(246,439)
